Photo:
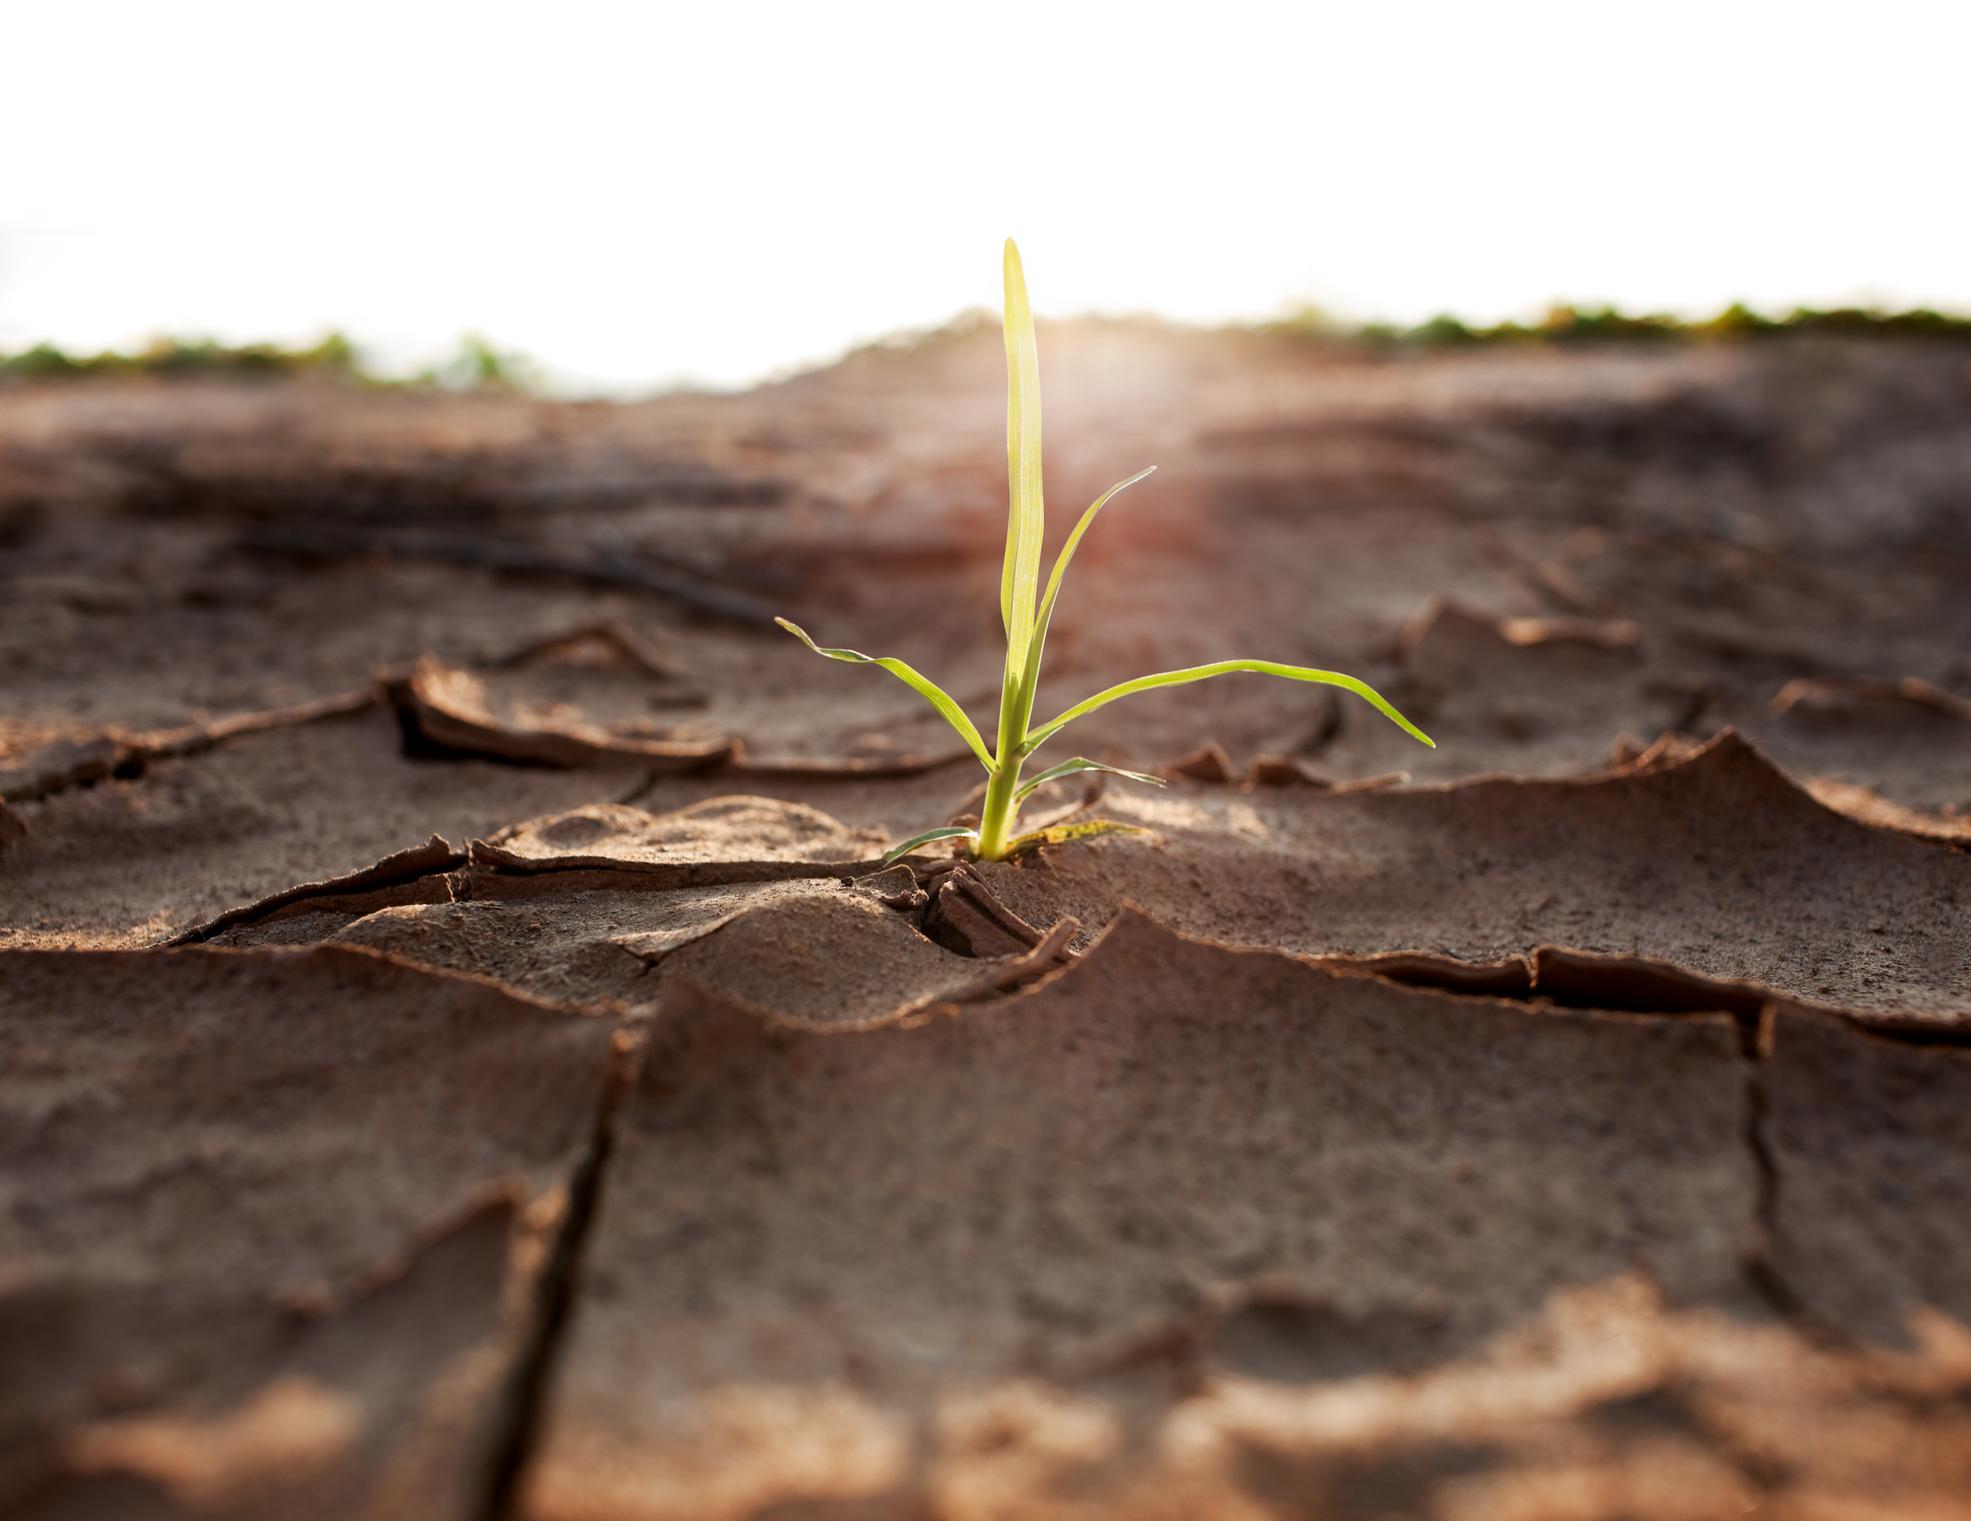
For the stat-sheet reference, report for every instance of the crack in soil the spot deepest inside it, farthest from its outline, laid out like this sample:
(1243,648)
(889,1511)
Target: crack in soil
(113,754)
(525,1398)
(510,878)
(641,790)
(964,915)
(385,880)
(1761,1272)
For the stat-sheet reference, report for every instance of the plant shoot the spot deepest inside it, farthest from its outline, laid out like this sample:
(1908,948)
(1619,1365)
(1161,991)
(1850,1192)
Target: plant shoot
(1026,609)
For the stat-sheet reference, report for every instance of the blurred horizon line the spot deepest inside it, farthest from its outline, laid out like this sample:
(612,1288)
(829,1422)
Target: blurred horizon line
(477,362)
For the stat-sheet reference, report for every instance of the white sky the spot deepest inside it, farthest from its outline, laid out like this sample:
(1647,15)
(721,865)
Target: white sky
(637,194)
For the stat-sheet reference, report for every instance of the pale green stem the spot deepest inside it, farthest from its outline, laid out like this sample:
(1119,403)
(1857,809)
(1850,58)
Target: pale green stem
(1002,803)
(996,820)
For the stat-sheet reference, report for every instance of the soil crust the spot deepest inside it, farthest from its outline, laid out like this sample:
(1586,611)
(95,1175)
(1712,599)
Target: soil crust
(462,1055)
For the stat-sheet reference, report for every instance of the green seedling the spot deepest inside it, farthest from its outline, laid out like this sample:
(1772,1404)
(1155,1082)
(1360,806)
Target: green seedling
(1026,610)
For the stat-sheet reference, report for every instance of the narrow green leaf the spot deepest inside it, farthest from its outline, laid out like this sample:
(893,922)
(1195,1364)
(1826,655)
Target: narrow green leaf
(1082,763)
(1225,668)
(1026,520)
(1074,541)
(1060,834)
(897,852)
(929,690)
(1045,617)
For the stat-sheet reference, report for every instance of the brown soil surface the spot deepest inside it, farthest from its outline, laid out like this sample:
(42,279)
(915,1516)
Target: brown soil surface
(461,1055)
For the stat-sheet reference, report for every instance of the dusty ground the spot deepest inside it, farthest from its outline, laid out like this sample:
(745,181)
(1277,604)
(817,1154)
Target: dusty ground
(459,1056)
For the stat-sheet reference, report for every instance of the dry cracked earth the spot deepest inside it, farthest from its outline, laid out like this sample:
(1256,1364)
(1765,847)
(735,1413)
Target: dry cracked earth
(460,1055)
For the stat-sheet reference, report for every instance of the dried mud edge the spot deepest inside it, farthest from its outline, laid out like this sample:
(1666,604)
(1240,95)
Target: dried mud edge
(428,731)
(436,872)
(435,726)
(1564,978)
(397,878)
(102,754)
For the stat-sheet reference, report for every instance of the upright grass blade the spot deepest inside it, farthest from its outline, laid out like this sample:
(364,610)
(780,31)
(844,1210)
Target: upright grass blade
(897,852)
(1078,764)
(929,690)
(1225,668)
(1019,582)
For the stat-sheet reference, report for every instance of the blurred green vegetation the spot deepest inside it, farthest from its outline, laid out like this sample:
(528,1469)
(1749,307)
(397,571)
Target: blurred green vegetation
(1585,324)
(334,355)
(476,365)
